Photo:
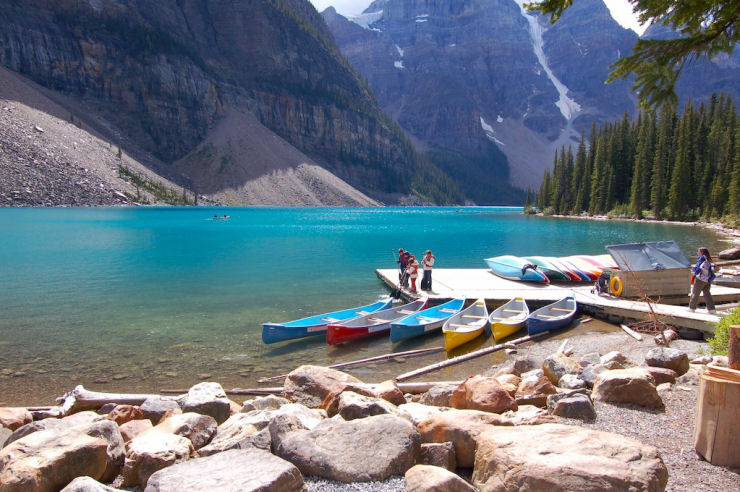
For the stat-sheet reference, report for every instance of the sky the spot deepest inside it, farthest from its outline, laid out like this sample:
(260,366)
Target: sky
(621,10)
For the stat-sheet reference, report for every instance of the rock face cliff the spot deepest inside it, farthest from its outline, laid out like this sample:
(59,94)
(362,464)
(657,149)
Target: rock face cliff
(478,78)
(165,73)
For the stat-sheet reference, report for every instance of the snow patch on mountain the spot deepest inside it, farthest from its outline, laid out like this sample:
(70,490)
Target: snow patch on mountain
(488,129)
(567,106)
(367,19)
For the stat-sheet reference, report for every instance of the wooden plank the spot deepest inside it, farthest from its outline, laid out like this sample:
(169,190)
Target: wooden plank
(631,332)
(468,356)
(473,316)
(448,310)
(561,309)
(512,311)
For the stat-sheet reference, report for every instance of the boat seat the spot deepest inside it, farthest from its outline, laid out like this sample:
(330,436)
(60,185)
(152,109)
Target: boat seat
(448,310)
(473,316)
(456,325)
(561,309)
(330,320)
(406,311)
(425,319)
(379,320)
(546,316)
(363,313)
(512,311)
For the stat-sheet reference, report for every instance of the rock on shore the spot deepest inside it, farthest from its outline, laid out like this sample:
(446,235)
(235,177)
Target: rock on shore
(277,443)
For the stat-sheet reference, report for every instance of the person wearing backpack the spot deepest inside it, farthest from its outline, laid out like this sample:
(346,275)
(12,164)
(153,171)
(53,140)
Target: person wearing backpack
(703,276)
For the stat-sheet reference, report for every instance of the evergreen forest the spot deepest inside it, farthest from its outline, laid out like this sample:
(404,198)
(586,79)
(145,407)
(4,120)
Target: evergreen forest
(664,165)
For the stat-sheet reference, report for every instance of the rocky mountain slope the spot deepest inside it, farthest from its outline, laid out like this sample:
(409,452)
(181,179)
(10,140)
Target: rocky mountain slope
(471,80)
(165,77)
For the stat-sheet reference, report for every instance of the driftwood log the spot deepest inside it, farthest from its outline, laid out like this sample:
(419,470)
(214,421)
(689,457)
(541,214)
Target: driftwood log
(363,361)
(468,356)
(80,399)
(631,332)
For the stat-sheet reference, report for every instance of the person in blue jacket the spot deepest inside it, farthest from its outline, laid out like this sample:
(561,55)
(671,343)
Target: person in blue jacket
(703,276)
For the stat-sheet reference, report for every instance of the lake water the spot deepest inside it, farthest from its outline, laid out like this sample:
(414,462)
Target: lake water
(143,299)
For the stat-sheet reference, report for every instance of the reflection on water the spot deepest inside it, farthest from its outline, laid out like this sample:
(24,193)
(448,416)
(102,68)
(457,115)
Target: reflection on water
(144,299)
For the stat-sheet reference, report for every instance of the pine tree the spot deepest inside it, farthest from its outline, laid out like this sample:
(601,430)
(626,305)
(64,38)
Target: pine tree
(640,193)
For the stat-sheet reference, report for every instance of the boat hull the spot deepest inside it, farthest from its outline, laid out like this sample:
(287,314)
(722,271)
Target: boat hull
(316,325)
(465,326)
(552,317)
(424,322)
(510,267)
(378,323)
(509,318)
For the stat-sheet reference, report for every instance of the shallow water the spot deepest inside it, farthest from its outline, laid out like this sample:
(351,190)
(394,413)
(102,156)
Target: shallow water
(144,299)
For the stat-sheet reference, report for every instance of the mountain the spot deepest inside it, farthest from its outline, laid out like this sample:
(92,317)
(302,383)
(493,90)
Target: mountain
(474,81)
(222,98)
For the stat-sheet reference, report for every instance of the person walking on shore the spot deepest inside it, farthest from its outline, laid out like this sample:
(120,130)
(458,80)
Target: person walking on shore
(413,272)
(427,263)
(703,276)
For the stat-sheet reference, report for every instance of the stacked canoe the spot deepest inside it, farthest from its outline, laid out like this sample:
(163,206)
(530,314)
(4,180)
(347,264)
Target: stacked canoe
(546,269)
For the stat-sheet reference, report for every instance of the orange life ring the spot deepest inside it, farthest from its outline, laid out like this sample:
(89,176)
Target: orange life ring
(616,286)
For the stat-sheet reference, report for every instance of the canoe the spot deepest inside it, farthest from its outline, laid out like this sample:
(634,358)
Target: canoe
(585,277)
(466,325)
(509,318)
(316,325)
(586,266)
(425,321)
(371,324)
(545,266)
(557,315)
(574,277)
(514,268)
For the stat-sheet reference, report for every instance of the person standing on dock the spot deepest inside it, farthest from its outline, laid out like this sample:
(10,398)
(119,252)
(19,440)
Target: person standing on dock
(427,263)
(403,263)
(703,276)
(413,272)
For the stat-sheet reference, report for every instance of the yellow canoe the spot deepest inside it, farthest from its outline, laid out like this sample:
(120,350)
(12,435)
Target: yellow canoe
(466,325)
(509,318)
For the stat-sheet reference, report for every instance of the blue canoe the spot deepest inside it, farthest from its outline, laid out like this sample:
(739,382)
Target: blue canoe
(316,325)
(557,315)
(425,321)
(514,268)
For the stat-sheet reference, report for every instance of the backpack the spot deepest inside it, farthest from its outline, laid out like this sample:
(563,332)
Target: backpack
(602,283)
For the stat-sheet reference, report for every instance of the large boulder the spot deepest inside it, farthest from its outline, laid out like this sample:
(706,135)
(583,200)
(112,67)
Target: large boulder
(50,459)
(340,450)
(268,402)
(482,393)
(440,454)
(729,254)
(238,432)
(558,365)
(194,426)
(125,413)
(208,399)
(154,408)
(517,366)
(62,424)
(668,358)
(534,391)
(634,385)
(134,428)
(615,360)
(14,417)
(416,412)
(557,457)
(238,469)
(331,401)
(528,415)
(425,478)
(389,391)
(115,452)
(571,381)
(152,452)
(5,433)
(87,484)
(662,375)
(461,428)
(353,406)
(572,405)
(438,395)
(309,385)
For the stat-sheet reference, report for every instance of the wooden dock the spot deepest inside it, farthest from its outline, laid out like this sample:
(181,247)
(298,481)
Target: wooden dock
(477,283)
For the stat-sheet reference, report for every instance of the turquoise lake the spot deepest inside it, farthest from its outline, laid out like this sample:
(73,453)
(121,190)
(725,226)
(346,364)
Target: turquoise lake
(141,299)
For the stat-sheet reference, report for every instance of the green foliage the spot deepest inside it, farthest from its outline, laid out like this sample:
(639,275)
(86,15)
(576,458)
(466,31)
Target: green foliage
(682,167)
(160,191)
(707,28)
(719,344)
